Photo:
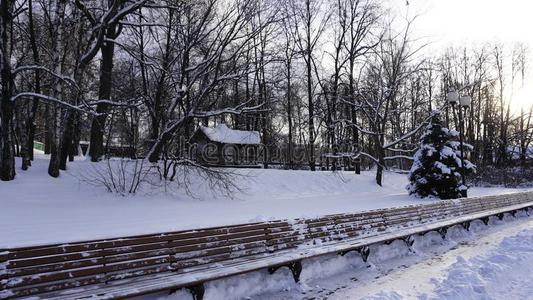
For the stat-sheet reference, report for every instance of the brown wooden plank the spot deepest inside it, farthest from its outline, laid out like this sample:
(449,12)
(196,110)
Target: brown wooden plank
(55,267)
(202,242)
(62,285)
(194,253)
(139,273)
(276,239)
(83,272)
(230,246)
(54,249)
(273,233)
(206,253)
(131,266)
(194,262)
(114,251)
(59,287)
(43,260)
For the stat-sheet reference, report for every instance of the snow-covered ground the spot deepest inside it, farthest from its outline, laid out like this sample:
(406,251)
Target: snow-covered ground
(36,209)
(493,262)
(496,266)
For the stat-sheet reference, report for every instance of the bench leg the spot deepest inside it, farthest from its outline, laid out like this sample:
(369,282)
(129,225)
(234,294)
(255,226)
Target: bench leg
(409,241)
(197,291)
(365,252)
(500,216)
(485,220)
(513,213)
(295,267)
(442,231)
(466,225)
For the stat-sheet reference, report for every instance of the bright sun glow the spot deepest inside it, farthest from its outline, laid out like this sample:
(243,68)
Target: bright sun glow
(523,98)
(474,22)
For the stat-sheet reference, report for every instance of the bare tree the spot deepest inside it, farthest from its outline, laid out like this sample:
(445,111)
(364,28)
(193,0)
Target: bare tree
(504,106)
(218,43)
(106,28)
(395,63)
(310,20)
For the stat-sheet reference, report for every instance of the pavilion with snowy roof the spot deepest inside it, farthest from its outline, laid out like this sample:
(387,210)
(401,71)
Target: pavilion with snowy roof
(223,146)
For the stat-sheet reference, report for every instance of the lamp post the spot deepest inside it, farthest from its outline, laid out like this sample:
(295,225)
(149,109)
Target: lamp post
(464,102)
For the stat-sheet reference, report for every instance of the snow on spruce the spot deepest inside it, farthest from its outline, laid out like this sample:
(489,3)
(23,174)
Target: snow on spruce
(437,165)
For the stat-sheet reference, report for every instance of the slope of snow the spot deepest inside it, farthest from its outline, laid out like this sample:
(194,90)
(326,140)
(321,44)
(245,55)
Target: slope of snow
(36,208)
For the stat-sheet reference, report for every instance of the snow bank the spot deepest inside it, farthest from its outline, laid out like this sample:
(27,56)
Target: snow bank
(502,272)
(37,209)
(483,263)
(491,262)
(262,285)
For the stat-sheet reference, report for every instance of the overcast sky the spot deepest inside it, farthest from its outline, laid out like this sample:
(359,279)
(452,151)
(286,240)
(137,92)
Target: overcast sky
(470,22)
(467,21)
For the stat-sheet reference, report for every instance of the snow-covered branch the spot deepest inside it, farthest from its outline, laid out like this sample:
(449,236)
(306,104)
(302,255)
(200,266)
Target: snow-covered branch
(141,24)
(86,107)
(234,111)
(85,11)
(402,150)
(409,134)
(359,128)
(28,95)
(112,103)
(126,10)
(68,79)
(359,154)
(398,157)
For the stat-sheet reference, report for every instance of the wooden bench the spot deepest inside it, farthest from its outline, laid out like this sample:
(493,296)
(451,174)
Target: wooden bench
(138,265)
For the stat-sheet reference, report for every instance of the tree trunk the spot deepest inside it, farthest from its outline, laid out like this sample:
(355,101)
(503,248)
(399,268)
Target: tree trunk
(157,147)
(308,62)
(55,110)
(47,131)
(96,150)
(7,164)
(37,85)
(380,153)
(289,115)
(66,140)
(7,158)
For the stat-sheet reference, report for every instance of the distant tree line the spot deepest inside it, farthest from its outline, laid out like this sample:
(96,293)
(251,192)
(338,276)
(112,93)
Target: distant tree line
(340,75)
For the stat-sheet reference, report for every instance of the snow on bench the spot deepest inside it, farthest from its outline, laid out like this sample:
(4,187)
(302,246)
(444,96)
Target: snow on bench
(138,265)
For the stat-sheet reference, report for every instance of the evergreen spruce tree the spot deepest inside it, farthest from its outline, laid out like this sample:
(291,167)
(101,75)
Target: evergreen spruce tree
(437,163)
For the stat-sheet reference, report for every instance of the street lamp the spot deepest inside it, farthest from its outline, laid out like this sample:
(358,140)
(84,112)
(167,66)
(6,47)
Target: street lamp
(453,97)
(465,101)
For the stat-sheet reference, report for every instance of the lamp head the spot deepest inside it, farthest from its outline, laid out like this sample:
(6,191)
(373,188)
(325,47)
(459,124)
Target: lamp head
(452,97)
(465,101)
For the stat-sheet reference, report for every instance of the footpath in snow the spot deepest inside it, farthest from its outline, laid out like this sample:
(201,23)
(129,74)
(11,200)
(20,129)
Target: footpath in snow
(496,266)
(37,209)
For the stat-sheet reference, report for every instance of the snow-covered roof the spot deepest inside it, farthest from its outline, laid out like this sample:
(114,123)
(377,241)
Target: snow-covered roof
(223,134)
